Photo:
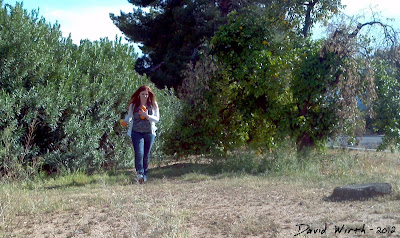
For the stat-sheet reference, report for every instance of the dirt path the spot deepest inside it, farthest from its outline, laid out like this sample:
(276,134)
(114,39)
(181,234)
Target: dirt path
(214,207)
(258,208)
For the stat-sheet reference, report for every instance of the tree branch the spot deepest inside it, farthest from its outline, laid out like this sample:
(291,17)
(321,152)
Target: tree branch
(360,26)
(307,21)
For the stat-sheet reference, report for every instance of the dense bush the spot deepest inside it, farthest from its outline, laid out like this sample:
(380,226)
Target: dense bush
(206,123)
(241,95)
(61,103)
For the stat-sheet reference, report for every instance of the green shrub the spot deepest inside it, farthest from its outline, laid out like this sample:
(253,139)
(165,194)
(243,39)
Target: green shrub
(61,103)
(207,122)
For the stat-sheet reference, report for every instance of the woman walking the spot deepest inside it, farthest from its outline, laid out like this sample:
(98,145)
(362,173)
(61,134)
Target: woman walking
(142,116)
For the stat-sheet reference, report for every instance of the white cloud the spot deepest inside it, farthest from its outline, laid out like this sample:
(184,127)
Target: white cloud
(85,23)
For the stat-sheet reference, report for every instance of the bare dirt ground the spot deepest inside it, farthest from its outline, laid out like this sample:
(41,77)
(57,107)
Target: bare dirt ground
(201,206)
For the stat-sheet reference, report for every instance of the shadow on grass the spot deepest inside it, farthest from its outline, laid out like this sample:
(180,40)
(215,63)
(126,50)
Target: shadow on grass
(128,176)
(71,184)
(180,169)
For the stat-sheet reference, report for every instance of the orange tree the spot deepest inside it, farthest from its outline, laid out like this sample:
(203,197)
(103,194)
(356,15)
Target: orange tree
(254,50)
(274,74)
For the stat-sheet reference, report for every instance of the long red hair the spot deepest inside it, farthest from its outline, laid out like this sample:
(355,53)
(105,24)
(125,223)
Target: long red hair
(135,99)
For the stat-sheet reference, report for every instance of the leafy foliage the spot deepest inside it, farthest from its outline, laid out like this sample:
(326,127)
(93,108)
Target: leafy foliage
(173,33)
(387,106)
(60,102)
(273,84)
(254,80)
(314,118)
(203,125)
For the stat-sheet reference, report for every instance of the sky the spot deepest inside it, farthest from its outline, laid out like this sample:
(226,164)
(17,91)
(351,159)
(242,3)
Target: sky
(83,19)
(89,19)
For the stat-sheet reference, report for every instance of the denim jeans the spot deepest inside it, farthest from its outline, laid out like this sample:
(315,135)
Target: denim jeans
(142,143)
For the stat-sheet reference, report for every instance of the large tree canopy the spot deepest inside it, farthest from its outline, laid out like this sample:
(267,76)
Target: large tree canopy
(251,98)
(172,33)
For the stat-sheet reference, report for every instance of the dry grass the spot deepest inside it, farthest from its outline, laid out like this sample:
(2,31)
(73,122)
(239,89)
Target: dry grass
(184,200)
(89,211)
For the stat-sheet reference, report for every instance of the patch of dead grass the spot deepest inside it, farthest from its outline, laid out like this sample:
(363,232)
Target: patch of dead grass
(198,205)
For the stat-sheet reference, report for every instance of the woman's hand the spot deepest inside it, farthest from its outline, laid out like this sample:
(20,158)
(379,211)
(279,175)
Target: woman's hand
(123,123)
(143,113)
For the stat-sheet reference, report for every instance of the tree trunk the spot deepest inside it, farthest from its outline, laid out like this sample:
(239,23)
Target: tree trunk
(304,141)
(308,20)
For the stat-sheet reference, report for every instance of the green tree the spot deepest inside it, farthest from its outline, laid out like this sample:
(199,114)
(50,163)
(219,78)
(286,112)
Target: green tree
(278,84)
(254,74)
(170,33)
(314,100)
(249,95)
(261,52)
(173,33)
(208,122)
(387,105)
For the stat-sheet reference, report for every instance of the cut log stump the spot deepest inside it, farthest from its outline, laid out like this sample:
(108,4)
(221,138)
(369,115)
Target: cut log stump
(360,192)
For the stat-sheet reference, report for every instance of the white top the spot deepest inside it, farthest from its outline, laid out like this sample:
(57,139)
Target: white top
(152,118)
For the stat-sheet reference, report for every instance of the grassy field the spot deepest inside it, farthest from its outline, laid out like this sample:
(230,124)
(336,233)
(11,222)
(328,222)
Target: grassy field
(198,198)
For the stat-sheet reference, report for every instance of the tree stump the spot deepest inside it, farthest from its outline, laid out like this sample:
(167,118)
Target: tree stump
(360,191)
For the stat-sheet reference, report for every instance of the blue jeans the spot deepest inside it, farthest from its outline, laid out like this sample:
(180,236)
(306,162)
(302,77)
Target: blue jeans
(142,143)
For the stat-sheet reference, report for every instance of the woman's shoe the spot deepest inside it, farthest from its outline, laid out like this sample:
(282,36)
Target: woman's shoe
(140,178)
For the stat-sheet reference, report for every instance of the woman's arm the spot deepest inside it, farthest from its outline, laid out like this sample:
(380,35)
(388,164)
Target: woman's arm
(156,115)
(129,116)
